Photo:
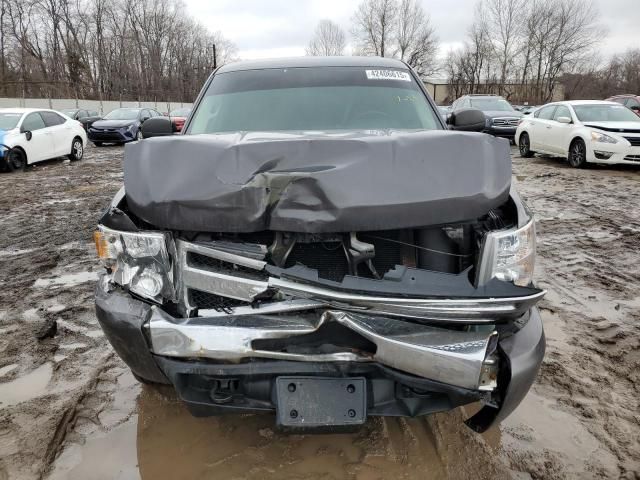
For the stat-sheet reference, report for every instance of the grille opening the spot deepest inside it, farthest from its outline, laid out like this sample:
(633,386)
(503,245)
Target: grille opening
(210,301)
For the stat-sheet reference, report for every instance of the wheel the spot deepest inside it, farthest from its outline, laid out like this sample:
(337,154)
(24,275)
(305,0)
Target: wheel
(97,144)
(577,153)
(77,150)
(524,146)
(16,159)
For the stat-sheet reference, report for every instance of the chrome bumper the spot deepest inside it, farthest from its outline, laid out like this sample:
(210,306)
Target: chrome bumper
(461,358)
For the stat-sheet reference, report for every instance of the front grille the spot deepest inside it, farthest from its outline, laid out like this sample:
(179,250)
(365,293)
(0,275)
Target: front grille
(207,263)
(634,141)
(632,158)
(505,122)
(327,258)
(204,300)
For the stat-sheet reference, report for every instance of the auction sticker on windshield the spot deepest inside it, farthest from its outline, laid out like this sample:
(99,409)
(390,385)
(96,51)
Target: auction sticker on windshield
(388,75)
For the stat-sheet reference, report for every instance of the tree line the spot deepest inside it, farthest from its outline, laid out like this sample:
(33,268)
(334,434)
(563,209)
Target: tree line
(96,49)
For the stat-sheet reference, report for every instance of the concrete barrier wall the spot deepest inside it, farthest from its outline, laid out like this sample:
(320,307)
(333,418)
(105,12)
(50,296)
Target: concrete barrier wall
(103,107)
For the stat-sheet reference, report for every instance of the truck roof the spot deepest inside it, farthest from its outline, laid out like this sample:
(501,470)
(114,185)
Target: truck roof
(293,62)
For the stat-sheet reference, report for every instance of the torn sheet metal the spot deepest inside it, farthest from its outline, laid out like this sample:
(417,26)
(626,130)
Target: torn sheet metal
(315,182)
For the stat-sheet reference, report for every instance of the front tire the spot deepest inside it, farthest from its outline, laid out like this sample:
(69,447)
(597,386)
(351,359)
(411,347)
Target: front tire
(77,150)
(524,146)
(97,144)
(577,153)
(16,159)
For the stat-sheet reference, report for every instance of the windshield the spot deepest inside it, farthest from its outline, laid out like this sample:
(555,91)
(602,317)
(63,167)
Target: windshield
(605,113)
(180,112)
(313,99)
(9,120)
(123,114)
(491,104)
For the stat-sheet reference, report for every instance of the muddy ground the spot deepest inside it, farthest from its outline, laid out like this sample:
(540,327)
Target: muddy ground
(70,409)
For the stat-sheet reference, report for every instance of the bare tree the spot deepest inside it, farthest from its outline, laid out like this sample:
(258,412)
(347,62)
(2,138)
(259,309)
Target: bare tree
(146,50)
(328,39)
(373,25)
(415,38)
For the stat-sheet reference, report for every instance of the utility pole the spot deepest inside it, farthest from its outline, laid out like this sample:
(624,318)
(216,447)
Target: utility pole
(215,60)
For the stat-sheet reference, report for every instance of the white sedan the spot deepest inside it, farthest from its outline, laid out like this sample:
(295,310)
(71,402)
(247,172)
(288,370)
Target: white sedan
(582,131)
(29,135)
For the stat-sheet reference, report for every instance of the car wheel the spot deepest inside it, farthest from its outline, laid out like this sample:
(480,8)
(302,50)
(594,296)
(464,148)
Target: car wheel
(77,150)
(16,159)
(97,144)
(143,380)
(524,146)
(577,153)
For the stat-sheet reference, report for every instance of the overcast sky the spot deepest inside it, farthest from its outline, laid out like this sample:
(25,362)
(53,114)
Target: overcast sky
(277,28)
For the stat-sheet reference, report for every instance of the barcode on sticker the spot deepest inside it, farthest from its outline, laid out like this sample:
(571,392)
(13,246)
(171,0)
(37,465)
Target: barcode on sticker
(388,75)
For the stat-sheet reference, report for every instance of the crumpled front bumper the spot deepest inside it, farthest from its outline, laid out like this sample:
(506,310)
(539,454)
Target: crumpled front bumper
(412,368)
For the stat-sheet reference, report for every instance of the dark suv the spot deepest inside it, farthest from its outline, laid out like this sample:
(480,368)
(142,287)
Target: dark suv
(325,249)
(501,118)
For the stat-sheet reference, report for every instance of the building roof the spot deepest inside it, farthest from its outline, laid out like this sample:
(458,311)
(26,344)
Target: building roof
(293,62)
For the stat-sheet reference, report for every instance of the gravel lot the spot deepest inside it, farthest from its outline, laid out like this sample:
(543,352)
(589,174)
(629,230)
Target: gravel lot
(70,409)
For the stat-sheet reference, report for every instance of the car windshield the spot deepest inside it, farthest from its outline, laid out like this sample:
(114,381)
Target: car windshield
(123,114)
(9,120)
(605,113)
(180,112)
(313,99)
(491,104)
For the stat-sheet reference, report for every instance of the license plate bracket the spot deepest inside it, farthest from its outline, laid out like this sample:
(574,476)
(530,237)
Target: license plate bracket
(321,401)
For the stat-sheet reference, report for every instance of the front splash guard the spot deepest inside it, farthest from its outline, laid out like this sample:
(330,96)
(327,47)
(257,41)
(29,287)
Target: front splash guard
(454,357)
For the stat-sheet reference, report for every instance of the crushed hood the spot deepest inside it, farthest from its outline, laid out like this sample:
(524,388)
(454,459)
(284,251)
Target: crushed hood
(317,182)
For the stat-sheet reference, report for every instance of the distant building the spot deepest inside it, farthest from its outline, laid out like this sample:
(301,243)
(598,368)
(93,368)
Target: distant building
(516,93)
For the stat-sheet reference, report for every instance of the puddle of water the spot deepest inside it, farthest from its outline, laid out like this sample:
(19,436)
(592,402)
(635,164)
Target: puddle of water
(69,280)
(534,426)
(165,441)
(27,387)
(6,369)
(10,252)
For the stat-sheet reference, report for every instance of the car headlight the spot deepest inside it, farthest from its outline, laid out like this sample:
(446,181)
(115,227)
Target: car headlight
(602,138)
(509,255)
(137,261)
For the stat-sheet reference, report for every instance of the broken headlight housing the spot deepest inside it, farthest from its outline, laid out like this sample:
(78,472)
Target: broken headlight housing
(137,261)
(509,255)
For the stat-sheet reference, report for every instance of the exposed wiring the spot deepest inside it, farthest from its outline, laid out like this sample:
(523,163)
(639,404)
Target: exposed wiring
(418,247)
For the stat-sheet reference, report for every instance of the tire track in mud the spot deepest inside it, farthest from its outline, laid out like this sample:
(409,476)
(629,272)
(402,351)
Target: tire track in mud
(588,237)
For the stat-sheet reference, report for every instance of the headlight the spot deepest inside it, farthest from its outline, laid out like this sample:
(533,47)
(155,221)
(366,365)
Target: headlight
(602,138)
(138,261)
(509,255)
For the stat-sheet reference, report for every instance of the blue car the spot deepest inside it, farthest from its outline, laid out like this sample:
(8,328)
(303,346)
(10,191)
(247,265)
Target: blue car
(120,125)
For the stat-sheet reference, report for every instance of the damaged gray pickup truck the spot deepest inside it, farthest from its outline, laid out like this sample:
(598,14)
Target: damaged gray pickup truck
(319,244)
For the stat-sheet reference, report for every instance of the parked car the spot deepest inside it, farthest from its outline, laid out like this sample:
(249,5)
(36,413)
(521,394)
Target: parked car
(528,109)
(178,117)
(582,131)
(345,255)
(30,135)
(85,117)
(501,119)
(628,100)
(120,125)
(444,110)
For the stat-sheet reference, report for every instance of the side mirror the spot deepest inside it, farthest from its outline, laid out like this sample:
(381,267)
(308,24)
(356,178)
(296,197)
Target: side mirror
(28,134)
(467,120)
(157,127)
(635,108)
(564,119)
